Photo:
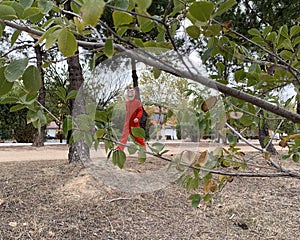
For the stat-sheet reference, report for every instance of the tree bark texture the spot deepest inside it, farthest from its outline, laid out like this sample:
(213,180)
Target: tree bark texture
(78,151)
(263,133)
(39,135)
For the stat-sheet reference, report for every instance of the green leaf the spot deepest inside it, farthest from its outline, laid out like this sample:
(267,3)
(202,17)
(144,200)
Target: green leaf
(246,120)
(286,44)
(296,41)
(294,30)
(77,135)
(75,8)
(48,35)
(15,69)
(100,133)
(5,86)
(142,156)
(251,108)
(283,31)
(61,93)
(26,3)
(193,31)
(138,132)
(72,94)
(34,14)
(88,139)
(143,4)
(7,12)
(109,48)
(296,157)
(101,116)
(132,149)
(239,75)
(123,4)
(46,5)
(254,32)
(67,125)
(147,25)
(224,7)
(18,8)
(272,37)
(201,10)
(158,146)
(266,140)
(178,6)
(285,157)
(232,139)
(17,108)
(14,37)
(196,199)
(32,79)
(287,55)
(156,73)
(119,158)
(9,100)
(267,30)
(67,43)
(2,27)
(213,30)
(91,11)
(42,117)
(122,18)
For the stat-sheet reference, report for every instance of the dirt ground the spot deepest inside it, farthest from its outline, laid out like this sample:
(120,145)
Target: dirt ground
(44,197)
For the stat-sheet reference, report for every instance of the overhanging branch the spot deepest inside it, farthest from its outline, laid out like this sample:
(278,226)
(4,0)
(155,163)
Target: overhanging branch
(149,59)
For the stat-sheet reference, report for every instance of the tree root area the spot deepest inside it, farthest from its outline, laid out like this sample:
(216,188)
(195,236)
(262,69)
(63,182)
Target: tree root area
(56,200)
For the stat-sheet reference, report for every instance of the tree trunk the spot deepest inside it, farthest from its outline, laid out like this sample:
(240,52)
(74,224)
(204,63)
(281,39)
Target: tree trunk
(78,151)
(135,78)
(39,135)
(263,133)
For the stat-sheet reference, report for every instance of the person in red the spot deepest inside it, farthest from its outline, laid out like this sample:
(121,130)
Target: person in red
(134,112)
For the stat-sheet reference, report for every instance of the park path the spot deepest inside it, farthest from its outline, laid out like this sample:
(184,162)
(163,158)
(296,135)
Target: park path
(18,152)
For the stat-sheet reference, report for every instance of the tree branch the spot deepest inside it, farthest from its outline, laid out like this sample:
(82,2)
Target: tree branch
(156,61)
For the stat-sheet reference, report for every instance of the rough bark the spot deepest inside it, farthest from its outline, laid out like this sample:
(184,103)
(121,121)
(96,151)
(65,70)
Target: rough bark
(263,133)
(78,151)
(39,135)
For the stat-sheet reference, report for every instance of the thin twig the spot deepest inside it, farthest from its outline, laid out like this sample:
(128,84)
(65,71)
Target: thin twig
(283,172)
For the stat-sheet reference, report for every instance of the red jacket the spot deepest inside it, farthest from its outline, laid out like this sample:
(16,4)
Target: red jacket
(133,110)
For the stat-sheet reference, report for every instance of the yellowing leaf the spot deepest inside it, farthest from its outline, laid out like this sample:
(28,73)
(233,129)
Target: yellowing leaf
(209,103)
(235,115)
(210,186)
(267,156)
(203,158)
(91,11)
